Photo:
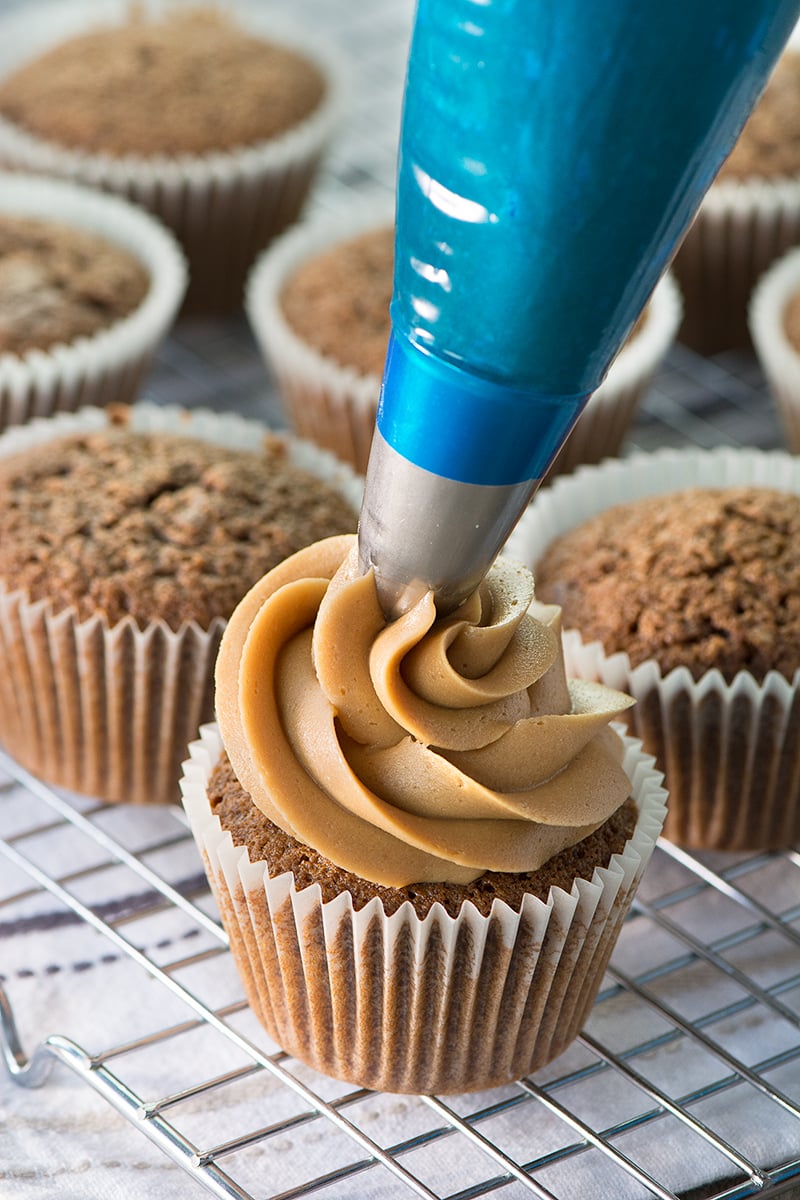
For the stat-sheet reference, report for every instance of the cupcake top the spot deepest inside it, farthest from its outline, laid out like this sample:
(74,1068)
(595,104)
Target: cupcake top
(338,300)
(189,83)
(702,578)
(59,283)
(417,751)
(769,144)
(154,525)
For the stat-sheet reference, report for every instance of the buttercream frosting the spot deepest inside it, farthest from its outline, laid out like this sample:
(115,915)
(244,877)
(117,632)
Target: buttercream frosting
(423,749)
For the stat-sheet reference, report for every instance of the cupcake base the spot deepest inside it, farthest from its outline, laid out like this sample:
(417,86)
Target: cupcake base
(730,752)
(405,1003)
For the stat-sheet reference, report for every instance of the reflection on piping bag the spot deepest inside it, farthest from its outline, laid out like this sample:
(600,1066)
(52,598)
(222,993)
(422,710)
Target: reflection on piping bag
(552,155)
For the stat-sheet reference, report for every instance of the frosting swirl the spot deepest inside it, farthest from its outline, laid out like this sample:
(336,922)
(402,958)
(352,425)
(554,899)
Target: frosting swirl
(420,750)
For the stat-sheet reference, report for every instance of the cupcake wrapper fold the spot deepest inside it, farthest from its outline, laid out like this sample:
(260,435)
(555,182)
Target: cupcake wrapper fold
(223,207)
(740,229)
(779,359)
(109,710)
(730,752)
(406,1004)
(107,367)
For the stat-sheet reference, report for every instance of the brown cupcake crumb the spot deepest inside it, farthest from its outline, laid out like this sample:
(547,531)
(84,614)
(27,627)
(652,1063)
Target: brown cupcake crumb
(266,842)
(791,321)
(190,83)
(59,283)
(769,144)
(338,301)
(702,578)
(155,525)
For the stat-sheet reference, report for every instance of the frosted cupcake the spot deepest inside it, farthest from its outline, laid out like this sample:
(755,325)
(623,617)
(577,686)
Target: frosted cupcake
(89,286)
(407,917)
(748,219)
(214,120)
(679,573)
(127,536)
(318,302)
(775,330)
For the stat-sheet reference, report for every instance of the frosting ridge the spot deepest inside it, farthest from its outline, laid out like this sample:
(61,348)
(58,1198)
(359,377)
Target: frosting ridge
(420,750)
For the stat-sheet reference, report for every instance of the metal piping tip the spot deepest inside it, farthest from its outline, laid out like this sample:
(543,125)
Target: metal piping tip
(422,532)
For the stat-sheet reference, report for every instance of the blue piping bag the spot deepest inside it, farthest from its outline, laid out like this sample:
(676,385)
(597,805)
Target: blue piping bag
(552,155)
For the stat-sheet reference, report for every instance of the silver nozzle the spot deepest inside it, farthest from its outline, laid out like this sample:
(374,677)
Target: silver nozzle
(421,531)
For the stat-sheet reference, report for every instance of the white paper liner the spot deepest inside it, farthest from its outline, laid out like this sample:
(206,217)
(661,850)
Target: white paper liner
(604,423)
(109,710)
(223,207)
(739,231)
(730,752)
(332,404)
(108,366)
(779,359)
(405,1004)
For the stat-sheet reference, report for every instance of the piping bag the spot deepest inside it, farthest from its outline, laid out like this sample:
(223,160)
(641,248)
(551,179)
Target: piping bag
(552,155)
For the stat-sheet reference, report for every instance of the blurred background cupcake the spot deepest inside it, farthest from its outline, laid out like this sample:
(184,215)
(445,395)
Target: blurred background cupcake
(89,286)
(318,301)
(127,536)
(213,119)
(749,218)
(775,330)
(686,597)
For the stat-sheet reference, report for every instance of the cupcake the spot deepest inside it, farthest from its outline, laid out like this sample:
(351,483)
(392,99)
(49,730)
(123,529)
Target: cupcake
(422,839)
(748,219)
(215,120)
(679,573)
(127,536)
(318,302)
(775,330)
(89,285)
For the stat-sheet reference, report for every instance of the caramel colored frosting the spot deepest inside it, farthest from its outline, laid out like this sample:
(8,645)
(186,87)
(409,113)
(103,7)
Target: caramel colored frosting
(424,749)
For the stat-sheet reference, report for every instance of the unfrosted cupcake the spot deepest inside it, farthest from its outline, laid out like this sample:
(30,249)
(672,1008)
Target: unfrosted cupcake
(214,119)
(127,536)
(775,329)
(748,219)
(403,917)
(318,302)
(680,573)
(89,286)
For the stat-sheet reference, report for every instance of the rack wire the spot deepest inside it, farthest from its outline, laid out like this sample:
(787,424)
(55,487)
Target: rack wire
(686,1079)
(667,1059)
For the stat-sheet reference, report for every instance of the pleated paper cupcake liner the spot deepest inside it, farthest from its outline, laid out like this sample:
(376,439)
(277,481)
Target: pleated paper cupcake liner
(223,207)
(605,422)
(332,404)
(730,752)
(108,710)
(108,366)
(779,359)
(739,231)
(410,1004)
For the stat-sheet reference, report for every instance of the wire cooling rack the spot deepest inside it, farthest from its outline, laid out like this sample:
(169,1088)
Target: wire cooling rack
(686,1080)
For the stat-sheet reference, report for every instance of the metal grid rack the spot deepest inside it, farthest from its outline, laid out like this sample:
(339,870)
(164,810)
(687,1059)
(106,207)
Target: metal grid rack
(693,1045)
(686,1080)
